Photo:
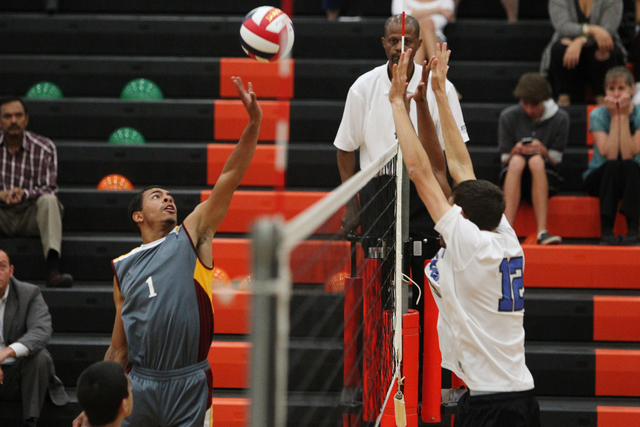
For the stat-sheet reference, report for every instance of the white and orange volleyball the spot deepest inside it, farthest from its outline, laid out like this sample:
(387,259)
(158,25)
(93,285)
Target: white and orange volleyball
(267,34)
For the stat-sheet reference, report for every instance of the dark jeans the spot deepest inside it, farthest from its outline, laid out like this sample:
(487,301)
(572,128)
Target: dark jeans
(588,70)
(615,180)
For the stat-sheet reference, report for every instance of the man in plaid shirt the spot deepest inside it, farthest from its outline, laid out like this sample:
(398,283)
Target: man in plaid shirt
(28,172)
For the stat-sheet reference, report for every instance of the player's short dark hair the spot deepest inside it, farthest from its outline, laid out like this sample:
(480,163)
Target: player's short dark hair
(409,21)
(101,389)
(482,202)
(532,88)
(619,72)
(12,98)
(136,205)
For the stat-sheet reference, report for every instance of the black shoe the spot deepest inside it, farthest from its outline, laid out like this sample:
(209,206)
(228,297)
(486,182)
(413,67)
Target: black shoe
(609,240)
(58,280)
(548,239)
(31,422)
(632,240)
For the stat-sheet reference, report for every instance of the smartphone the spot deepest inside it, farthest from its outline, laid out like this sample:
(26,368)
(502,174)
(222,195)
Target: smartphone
(527,140)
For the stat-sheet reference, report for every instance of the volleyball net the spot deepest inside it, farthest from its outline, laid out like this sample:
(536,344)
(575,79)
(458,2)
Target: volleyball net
(328,307)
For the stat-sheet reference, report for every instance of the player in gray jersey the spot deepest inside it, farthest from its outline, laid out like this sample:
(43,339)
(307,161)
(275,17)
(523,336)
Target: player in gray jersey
(162,292)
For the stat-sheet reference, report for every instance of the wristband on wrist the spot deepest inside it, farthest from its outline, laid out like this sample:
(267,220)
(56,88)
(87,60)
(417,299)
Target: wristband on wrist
(585,30)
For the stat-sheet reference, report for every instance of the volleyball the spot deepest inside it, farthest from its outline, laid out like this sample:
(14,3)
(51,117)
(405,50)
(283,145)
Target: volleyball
(266,34)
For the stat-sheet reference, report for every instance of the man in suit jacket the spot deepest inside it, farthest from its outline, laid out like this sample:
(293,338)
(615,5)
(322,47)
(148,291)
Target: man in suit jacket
(26,367)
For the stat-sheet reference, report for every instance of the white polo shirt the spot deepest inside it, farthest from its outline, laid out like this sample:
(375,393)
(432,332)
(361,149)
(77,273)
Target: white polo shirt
(367,121)
(476,282)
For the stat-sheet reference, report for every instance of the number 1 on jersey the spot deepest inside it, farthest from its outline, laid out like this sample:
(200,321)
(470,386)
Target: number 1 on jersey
(511,286)
(152,291)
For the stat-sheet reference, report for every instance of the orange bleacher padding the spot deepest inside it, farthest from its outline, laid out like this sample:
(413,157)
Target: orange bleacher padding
(575,217)
(590,108)
(229,363)
(247,206)
(261,171)
(590,154)
(616,318)
(264,76)
(230,412)
(232,255)
(617,372)
(230,119)
(311,261)
(232,309)
(581,266)
(616,416)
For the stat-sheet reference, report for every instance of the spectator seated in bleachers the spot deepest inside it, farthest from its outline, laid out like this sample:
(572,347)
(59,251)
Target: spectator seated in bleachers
(26,367)
(584,46)
(532,137)
(28,202)
(614,170)
(433,16)
(104,394)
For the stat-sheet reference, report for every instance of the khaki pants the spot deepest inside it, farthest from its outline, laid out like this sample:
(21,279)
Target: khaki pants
(42,217)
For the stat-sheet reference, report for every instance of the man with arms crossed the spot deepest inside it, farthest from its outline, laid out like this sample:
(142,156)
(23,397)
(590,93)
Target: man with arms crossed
(476,279)
(162,291)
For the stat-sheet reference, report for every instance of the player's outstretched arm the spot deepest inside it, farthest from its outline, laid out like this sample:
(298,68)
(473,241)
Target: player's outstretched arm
(118,350)
(413,153)
(427,132)
(203,222)
(458,158)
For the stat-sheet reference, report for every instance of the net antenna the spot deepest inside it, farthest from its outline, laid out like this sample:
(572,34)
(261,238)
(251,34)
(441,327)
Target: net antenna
(401,287)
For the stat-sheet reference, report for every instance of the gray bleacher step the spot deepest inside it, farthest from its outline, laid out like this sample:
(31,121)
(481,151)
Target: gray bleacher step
(239,7)
(105,76)
(89,308)
(179,164)
(314,363)
(488,40)
(577,411)
(100,34)
(310,120)
(570,311)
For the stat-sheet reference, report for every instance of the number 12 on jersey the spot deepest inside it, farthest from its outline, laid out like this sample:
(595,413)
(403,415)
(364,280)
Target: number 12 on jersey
(512,285)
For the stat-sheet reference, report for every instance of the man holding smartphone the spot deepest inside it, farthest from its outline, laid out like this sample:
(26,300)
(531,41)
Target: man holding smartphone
(531,137)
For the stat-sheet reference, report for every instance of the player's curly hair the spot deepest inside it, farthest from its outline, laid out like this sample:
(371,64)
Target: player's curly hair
(482,202)
(136,205)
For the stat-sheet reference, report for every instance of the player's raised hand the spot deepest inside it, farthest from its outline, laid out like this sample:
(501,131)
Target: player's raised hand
(398,91)
(421,91)
(248,98)
(439,68)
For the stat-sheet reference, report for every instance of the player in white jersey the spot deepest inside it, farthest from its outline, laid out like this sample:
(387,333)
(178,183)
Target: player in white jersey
(476,279)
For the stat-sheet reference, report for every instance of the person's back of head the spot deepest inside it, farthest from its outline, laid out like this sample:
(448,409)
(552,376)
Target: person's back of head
(104,394)
(481,201)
